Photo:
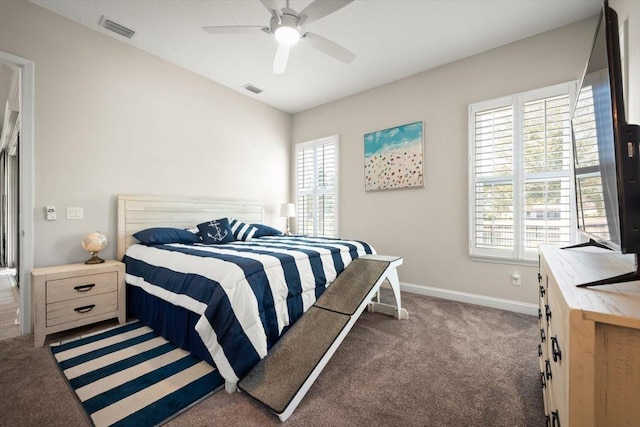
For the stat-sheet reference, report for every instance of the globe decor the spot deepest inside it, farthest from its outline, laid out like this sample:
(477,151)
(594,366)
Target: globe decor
(94,243)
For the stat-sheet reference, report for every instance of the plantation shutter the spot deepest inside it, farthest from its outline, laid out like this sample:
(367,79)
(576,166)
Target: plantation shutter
(316,187)
(326,207)
(305,190)
(493,171)
(547,168)
(520,165)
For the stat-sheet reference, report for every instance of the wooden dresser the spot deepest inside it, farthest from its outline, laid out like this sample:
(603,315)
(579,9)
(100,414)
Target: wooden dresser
(589,339)
(68,296)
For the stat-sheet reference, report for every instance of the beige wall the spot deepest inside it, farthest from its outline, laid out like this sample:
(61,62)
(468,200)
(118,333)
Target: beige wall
(111,119)
(429,226)
(629,12)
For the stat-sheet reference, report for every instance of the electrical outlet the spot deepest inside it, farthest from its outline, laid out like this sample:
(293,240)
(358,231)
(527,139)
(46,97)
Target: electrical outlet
(51,213)
(515,279)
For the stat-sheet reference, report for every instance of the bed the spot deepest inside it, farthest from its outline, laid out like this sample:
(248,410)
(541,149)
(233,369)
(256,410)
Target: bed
(226,303)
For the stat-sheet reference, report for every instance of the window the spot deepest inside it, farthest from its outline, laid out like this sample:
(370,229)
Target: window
(317,187)
(520,166)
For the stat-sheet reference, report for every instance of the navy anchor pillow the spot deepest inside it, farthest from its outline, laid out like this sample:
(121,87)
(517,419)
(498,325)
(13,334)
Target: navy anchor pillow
(216,231)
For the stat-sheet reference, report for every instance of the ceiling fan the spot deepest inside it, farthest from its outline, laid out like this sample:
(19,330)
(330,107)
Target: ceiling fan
(287,26)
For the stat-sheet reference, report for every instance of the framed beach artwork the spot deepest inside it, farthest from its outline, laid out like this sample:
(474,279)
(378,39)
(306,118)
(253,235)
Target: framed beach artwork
(393,158)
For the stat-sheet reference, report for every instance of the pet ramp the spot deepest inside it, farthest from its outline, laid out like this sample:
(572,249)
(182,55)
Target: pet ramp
(284,376)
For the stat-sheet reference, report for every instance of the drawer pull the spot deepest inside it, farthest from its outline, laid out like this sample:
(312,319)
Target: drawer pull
(547,311)
(85,309)
(542,291)
(555,349)
(84,288)
(547,368)
(543,337)
(542,380)
(539,277)
(539,314)
(547,421)
(539,350)
(556,418)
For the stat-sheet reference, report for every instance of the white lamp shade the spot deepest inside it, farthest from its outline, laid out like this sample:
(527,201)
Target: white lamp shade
(94,242)
(288,210)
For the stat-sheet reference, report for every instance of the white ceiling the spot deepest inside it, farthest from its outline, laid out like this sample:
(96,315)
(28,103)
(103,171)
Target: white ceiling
(392,39)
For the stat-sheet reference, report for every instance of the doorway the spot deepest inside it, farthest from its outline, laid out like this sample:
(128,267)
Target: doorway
(9,200)
(16,184)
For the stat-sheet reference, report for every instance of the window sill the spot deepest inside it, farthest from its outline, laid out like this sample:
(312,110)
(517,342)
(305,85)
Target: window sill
(510,261)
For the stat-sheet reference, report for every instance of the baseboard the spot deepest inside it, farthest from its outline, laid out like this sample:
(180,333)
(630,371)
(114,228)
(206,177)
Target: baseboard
(503,304)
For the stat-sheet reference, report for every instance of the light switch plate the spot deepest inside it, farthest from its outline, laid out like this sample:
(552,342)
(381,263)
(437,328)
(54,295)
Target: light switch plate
(75,213)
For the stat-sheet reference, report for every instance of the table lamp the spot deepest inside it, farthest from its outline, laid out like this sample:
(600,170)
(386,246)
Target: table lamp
(94,243)
(288,210)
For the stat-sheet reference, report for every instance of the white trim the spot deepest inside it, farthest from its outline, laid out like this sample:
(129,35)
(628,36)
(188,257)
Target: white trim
(505,260)
(26,191)
(518,176)
(499,303)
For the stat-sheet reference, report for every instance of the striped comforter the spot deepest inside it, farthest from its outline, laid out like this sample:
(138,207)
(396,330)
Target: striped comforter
(246,293)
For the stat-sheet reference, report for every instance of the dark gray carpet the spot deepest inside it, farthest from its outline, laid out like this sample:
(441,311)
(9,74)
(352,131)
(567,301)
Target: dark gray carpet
(450,364)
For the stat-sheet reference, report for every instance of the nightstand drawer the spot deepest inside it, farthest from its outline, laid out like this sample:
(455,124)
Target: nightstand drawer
(81,286)
(73,295)
(82,308)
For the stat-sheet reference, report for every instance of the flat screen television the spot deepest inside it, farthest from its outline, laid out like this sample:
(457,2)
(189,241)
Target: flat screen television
(605,148)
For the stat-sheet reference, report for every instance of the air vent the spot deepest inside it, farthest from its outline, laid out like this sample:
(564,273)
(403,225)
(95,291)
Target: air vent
(252,88)
(111,25)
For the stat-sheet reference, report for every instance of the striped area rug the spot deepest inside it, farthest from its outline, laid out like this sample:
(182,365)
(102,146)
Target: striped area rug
(130,376)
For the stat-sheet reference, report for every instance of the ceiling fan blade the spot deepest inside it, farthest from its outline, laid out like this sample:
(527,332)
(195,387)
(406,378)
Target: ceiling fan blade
(271,6)
(330,48)
(280,61)
(233,29)
(321,8)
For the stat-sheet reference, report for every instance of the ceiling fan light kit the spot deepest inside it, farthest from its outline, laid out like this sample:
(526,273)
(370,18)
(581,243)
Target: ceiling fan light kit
(286,25)
(285,28)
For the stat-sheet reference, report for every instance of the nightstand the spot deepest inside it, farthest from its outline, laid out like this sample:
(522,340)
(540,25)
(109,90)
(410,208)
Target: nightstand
(68,296)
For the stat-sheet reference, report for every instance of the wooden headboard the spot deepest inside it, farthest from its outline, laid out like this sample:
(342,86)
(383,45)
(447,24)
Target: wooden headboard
(136,213)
